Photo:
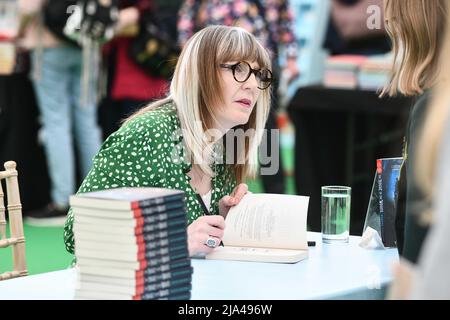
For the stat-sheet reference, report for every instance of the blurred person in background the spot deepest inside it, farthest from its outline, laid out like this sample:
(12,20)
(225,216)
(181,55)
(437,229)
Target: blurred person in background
(432,279)
(129,85)
(429,278)
(271,22)
(348,32)
(417,29)
(57,66)
(19,114)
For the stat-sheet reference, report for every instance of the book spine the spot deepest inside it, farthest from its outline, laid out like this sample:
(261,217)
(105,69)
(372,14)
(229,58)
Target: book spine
(380,195)
(142,279)
(163,293)
(170,234)
(163,285)
(143,264)
(162,246)
(166,267)
(157,201)
(181,296)
(156,218)
(163,255)
(166,276)
(154,258)
(162,225)
(171,209)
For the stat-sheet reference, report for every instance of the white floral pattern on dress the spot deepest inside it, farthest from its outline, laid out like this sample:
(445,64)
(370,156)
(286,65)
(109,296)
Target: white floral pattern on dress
(140,154)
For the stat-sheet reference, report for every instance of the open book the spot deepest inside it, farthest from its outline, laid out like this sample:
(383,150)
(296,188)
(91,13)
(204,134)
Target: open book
(265,228)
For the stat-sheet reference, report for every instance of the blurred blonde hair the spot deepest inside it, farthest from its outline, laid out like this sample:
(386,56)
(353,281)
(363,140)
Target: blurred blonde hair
(416,28)
(197,92)
(433,129)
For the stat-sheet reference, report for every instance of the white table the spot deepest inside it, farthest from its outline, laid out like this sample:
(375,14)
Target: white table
(342,271)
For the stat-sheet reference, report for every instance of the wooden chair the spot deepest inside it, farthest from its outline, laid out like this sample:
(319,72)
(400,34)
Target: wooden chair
(17,239)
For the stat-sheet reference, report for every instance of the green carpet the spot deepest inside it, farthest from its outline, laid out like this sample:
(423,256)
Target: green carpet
(45,251)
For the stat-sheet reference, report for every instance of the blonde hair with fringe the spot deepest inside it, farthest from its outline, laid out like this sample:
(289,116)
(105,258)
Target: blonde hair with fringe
(416,28)
(196,92)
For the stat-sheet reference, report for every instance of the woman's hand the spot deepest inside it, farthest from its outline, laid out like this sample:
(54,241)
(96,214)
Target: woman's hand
(201,230)
(236,196)
(213,227)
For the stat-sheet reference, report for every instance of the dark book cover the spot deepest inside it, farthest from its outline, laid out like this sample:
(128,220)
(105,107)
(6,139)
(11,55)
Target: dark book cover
(381,210)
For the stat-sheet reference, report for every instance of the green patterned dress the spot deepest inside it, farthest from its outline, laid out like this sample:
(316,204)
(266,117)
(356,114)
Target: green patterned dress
(149,152)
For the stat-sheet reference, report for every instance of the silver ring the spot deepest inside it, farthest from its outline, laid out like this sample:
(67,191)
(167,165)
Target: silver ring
(211,242)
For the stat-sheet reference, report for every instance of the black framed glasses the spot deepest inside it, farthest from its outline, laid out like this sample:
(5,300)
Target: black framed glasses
(242,71)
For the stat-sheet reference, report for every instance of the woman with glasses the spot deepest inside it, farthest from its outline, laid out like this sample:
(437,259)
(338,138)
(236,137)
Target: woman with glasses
(270,21)
(221,86)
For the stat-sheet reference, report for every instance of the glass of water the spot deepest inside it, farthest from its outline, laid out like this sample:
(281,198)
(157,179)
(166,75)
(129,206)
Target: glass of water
(336,202)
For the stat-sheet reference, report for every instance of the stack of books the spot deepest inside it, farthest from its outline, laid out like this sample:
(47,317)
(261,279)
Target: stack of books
(374,74)
(131,243)
(342,71)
